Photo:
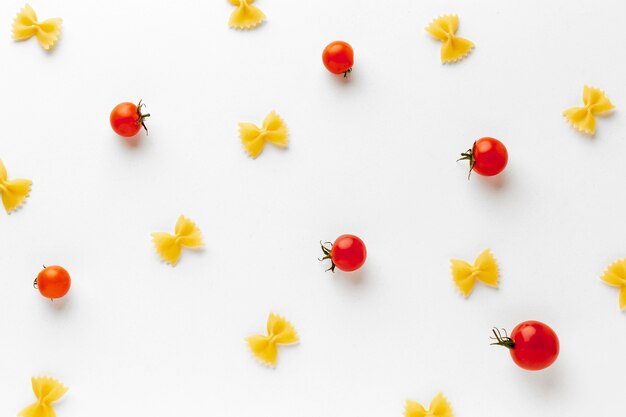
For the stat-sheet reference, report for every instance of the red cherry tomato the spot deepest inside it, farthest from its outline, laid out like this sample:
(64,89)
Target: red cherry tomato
(533,345)
(487,157)
(53,282)
(127,119)
(338,57)
(348,253)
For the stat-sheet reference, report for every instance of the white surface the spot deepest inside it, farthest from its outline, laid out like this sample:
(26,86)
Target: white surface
(374,156)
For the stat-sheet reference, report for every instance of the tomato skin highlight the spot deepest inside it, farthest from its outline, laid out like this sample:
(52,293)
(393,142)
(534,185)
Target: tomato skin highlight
(338,57)
(490,156)
(53,282)
(536,345)
(348,253)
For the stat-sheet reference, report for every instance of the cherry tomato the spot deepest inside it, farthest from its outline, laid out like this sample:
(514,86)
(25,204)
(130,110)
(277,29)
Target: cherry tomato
(487,157)
(338,57)
(348,253)
(53,282)
(533,345)
(127,119)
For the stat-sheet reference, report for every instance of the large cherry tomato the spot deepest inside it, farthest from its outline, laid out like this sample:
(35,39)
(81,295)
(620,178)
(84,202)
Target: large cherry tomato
(127,119)
(338,57)
(488,157)
(53,282)
(533,345)
(348,253)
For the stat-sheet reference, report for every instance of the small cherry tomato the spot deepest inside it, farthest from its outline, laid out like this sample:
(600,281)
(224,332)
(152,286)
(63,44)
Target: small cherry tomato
(348,253)
(127,119)
(533,345)
(488,157)
(53,282)
(338,57)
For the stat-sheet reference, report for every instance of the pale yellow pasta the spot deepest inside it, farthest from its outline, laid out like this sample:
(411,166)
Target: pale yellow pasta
(14,192)
(595,104)
(245,16)
(47,390)
(439,407)
(615,275)
(186,235)
(253,138)
(453,48)
(26,26)
(279,332)
(484,269)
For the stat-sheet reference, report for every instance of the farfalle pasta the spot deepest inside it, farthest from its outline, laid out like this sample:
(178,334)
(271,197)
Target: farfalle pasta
(615,275)
(186,235)
(439,407)
(273,130)
(484,269)
(47,390)
(26,25)
(279,332)
(453,48)
(245,16)
(595,104)
(14,192)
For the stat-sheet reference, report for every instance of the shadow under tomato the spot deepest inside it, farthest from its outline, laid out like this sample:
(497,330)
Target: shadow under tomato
(133,141)
(496,182)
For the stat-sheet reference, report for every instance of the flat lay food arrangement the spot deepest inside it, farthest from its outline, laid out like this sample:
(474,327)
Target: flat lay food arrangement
(336,286)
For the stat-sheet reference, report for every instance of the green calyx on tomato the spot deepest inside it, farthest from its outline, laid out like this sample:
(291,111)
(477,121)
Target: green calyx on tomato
(500,340)
(469,156)
(142,116)
(327,255)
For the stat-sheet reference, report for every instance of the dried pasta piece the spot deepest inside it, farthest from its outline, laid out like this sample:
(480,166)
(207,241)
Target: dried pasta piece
(595,104)
(26,26)
(279,332)
(186,235)
(47,390)
(439,407)
(245,16)
(453,48)
(14,192)
(485,270)
(615,275)
(273,131)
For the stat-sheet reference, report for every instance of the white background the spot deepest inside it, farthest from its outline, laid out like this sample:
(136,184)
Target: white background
(373,155)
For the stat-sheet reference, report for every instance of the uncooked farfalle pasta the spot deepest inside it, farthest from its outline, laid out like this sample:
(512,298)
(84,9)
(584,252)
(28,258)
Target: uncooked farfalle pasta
(484,269)
(186,235)
(279,332)
(595,104)
(615,275)
(245,16)
(47,390)
(273,130)
(14,192)
(26,26)
(439,407)
(453,48)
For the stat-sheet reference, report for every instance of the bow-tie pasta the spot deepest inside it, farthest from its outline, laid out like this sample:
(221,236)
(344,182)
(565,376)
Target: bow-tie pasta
(453,48)
(485,270)
(279,332)
(26,26)
(186,235)
(615,275)
(47,390)
(595,104)
(245,16)
(253,138)
(14,192)
(439,407)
